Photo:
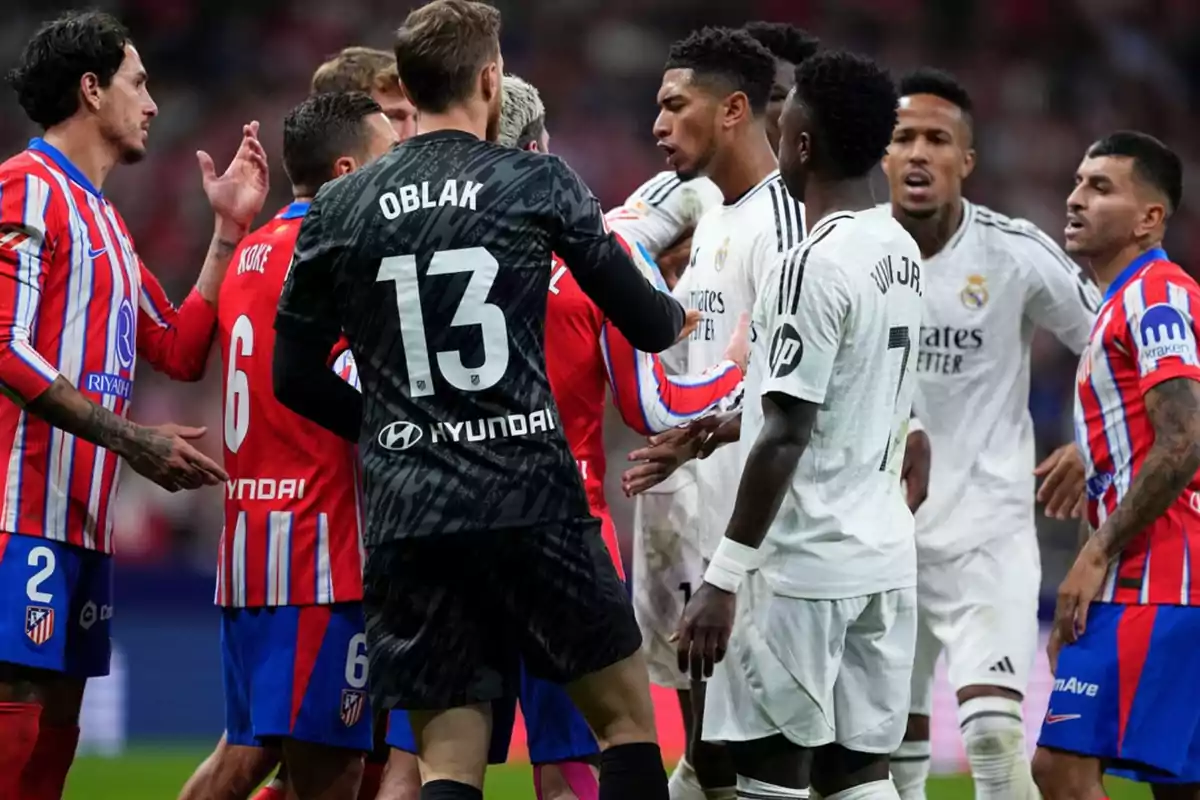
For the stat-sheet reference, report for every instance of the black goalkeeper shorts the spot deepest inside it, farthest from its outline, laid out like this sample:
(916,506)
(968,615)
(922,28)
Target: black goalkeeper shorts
(449,618)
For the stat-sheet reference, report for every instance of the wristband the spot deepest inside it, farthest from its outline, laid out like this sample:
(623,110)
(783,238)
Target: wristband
(730,564)
(914,425)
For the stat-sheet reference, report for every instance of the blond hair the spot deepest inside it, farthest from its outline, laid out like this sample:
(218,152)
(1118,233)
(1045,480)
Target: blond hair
(522,114)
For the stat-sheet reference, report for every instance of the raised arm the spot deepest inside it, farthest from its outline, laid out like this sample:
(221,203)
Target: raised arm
(650,319)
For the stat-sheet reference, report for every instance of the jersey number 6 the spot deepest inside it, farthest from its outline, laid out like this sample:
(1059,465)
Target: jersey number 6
(473,309)
(237,385)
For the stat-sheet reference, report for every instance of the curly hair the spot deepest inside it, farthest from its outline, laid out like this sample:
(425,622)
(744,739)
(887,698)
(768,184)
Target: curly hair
(323,128)
(60,53)
(729,57)
(851,102)
(928,80)
(786,42)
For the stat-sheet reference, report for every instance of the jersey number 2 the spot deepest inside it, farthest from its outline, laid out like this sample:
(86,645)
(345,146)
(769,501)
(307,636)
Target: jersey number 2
(473,309)
(237,385)
(898,339)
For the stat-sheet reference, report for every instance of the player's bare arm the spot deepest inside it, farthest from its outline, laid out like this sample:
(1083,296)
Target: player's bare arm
(160,453)
(236,196)
(1173,408)
(708,619)
(918,458)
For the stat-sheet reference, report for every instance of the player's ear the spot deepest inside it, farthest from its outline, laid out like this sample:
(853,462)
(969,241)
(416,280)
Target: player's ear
(1154,215)
(968,162)
(489,81)
(344,166)
(737,108)
(89,91)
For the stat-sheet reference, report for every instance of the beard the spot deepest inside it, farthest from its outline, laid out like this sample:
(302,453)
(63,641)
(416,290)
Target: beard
(921,213)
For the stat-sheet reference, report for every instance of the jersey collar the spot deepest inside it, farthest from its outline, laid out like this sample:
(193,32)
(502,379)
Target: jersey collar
(1154,254)
(54,154)
(295,210)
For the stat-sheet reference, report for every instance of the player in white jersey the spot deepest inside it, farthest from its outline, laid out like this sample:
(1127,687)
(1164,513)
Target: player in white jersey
(818,562)
(713,99)
(991,281)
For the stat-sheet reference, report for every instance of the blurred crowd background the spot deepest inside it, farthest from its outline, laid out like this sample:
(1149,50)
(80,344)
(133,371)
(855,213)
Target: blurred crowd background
(1047,78)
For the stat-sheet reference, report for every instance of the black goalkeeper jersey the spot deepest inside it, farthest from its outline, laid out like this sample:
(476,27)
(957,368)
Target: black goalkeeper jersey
(434,262)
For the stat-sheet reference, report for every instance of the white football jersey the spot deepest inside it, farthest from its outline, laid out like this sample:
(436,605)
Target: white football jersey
(733,248)
(839,319)
(992,284)
(662,209)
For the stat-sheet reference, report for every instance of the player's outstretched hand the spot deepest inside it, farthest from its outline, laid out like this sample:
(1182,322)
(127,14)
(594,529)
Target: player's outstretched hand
(162,454)
(663,455)
(915,471)
(691,321)
(716,430)
(1062,489)
(703,633)
(738,349)
(1077,591)
(238,194)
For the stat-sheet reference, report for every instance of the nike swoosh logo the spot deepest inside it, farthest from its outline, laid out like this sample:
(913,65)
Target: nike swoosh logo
(97,253)
(1053,718)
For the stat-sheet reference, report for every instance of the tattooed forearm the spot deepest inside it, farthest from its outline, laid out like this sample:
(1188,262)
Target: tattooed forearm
(65,408)
(1085,533)
(1174,410)
(212,274)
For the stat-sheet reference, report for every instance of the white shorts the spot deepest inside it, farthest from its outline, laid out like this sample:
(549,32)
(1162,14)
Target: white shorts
(981,608)
(816,671)
(667,567)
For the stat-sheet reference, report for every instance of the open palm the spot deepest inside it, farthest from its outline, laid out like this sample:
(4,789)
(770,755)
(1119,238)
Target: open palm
(238,194)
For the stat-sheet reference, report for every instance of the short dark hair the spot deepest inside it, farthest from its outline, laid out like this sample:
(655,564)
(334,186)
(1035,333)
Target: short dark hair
(320,130)
(60,53)
(851,102)
(785,41)
(1153,162)
(928,80)
(442,46)
(357,69)
(729,56)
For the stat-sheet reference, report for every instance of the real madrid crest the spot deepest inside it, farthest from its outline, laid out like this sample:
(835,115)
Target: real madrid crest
(722,254)
(975,294)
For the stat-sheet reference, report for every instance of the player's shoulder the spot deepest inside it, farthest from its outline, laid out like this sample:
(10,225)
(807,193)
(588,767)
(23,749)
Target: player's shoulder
(845,234)
(766,214)
(24,176)
(1016,237)
(1161,281)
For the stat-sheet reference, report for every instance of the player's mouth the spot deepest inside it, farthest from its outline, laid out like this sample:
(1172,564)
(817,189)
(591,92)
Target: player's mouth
(671,153)
(918,185)
(1075,224)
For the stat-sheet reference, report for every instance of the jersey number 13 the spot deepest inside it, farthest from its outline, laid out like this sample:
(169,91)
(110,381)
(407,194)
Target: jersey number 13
(473,309)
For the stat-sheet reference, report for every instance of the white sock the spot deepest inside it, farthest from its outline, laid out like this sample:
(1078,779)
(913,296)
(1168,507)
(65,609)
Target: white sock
(994,739)
(750,789)
(910,769)
(875,790)
(683,784)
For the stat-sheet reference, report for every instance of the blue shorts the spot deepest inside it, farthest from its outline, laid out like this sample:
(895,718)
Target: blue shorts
(1128,693)
(297,672)
(55,606)
(556,730)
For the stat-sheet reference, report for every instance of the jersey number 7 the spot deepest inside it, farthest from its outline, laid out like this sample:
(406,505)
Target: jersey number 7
(473,309)
(898,339)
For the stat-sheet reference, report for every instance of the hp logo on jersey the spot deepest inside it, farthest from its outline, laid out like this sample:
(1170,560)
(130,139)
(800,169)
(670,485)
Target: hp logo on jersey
(1165,332)
(400,436)
(786,351)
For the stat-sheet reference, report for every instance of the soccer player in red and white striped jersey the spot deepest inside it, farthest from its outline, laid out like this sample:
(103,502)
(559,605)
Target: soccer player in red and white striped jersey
(76,307)
(1125,647)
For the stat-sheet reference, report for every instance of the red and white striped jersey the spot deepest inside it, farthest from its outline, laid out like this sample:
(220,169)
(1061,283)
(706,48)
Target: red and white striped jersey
(584,352)
(293,520)
(1145,334)
(75,301)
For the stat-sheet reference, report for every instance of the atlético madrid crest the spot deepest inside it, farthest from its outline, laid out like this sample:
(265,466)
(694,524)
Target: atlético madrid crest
(353,703)
(39,624)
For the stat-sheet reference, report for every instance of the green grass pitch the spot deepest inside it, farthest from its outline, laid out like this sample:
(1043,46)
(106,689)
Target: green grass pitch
(150,774)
